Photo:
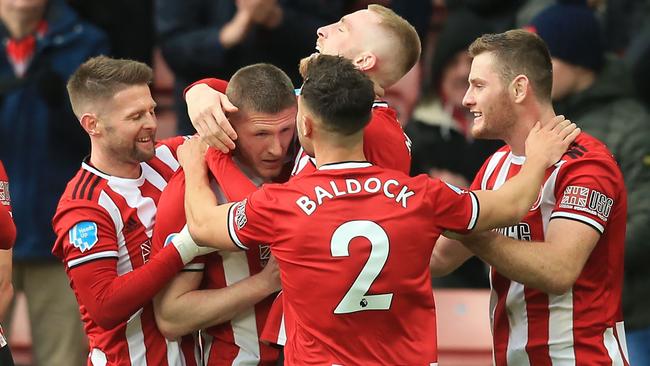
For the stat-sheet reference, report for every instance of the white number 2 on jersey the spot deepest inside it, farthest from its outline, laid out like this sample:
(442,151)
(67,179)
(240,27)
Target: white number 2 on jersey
(356,299)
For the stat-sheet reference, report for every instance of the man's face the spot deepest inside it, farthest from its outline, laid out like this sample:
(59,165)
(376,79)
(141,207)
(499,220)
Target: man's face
(21,8)
(349,36)
(264,140)
(488,99)
(128,125)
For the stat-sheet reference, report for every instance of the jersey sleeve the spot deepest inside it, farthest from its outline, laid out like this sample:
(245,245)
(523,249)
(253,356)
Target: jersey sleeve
(7,226)
(453,209)
(586,191)
(384,142)
(170,219)
(250,221)
(216,84)
(84,232)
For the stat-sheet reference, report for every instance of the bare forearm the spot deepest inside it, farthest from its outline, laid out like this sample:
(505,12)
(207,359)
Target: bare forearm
(200,309)
(447,256)
(534,264)
(6,287)
(521,191)
(199,200)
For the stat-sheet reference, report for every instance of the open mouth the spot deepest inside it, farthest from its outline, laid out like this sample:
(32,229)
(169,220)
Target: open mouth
(144,140)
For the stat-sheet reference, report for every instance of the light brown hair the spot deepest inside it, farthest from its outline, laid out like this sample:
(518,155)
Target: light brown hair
(407,48)
(262,88)
(519,52)
(101,77)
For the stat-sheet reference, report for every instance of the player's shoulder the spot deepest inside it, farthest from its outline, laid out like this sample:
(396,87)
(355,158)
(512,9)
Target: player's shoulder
(85,186)
(588,150)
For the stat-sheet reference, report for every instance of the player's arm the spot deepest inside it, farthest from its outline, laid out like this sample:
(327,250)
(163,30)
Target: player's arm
(209,307)
(109,298)
(508,204)
(207,106)
(6,287)
(447,256)
(551,266)
(206,219)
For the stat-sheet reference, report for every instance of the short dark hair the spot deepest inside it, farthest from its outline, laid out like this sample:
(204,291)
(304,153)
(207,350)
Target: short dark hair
(261,88)
(339,94)
(101,77)
(519,52)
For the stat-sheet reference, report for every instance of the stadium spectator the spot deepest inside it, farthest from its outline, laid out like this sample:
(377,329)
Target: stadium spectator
(201,38)
(44,41)
(231,293)
(557,275)
(596,90)
(105,217)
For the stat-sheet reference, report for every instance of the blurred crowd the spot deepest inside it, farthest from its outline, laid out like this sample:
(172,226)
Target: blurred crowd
(601,66)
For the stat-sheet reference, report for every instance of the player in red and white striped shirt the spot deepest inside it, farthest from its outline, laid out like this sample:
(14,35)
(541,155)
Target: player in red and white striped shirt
(105,217)
(557,275)
(230,293)
(353,240)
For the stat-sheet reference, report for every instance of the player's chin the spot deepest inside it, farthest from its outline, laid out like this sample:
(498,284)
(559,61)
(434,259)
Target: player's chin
(145,153)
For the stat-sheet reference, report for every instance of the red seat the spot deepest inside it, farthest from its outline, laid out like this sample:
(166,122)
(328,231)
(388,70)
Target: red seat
(464,336)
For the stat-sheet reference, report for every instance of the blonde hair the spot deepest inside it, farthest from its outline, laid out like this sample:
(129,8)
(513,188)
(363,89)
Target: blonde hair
(101,77)
(407,47)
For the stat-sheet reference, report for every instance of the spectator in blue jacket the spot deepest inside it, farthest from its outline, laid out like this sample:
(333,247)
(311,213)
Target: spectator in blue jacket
(40,144)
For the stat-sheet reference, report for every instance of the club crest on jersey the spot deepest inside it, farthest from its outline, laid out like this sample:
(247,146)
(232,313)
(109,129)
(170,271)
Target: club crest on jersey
(83,235)
(240,214)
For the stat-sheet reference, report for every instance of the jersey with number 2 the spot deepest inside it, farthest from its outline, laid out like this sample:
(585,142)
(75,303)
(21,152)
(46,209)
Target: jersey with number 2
(353,243)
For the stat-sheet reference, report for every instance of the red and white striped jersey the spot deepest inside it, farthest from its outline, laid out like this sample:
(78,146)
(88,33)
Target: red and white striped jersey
(105,217)
(235,342)
(384,143)
(583,326)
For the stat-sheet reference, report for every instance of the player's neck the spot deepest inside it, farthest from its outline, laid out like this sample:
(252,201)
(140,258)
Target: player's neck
(114,167)
(328,153)
(517,139)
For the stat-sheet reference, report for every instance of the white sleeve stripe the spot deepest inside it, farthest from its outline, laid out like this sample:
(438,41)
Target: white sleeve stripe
(586,220)
(475,211)
(231,228)
(194,266)
(90,257)
(165,155)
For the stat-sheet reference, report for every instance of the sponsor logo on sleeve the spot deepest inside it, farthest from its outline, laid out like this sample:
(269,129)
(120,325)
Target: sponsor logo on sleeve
(240,214)
(83,235)
(587,200)
(5,199)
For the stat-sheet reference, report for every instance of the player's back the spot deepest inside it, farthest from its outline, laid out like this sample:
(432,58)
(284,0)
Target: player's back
(353,242)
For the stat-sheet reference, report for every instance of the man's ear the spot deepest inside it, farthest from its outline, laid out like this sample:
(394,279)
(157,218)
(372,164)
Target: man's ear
(365,61)
(519,88)
(307,129)
(89,122)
